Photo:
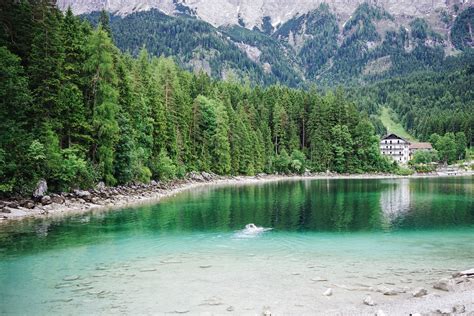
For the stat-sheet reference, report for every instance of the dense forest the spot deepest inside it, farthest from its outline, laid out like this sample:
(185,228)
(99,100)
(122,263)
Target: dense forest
(75,111)
(426,102)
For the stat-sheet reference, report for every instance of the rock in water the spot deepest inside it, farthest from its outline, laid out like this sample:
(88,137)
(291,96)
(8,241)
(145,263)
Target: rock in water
(369,301)
(380,313)
(469,272)
(419,292)
(442,285)
(387,291)
(41,189)
(328,292)
(71,278)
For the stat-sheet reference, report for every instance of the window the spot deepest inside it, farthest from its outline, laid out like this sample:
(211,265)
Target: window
(398,141)
(390,142)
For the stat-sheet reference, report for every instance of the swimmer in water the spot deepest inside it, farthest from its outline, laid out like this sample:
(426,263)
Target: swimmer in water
(251,226)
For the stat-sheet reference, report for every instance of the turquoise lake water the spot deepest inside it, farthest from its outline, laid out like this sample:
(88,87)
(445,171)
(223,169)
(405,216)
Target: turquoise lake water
(188,254)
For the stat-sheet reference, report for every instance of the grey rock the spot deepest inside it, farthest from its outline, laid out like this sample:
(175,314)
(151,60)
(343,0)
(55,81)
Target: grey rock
(469,272)
(443,284)
(101,186)
(96,200)
(71,278)
(86,195)
(46,200)
(369,301)
(207,176)
(58,199)
(30,205)
(41,189)
(387,291)
(419,292)
(230,309)
(459,309)
(6,210)
(328,292)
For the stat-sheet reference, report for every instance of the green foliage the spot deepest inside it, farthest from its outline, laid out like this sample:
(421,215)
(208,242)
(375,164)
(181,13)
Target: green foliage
(424,157)
(404,171)
(446,147)
(84,112)
(461,32)
(164,167)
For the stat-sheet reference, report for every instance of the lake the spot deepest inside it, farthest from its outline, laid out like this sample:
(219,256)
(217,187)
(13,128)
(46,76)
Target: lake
(189,254)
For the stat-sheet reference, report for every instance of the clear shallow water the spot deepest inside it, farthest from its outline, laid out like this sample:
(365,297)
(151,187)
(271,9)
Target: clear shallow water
(186,253)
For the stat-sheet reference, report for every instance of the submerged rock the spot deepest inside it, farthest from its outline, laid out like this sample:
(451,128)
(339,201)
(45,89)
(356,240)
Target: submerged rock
(443,285)
(230,309)
(419,292)
(328,292)
(387,291)
(71,278)
(369,301)
(182,311)
(205,266)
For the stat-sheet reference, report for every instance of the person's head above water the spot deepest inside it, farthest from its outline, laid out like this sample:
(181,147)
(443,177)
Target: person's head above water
(251,226)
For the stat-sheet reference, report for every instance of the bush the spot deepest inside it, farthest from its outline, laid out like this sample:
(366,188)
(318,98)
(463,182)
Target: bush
(282,162)
(298,162)
(164,168)
(404,171)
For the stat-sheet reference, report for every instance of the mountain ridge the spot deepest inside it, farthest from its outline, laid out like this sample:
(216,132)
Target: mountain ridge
(253,13)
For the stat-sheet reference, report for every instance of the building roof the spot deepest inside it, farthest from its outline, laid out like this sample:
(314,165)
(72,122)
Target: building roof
(421,146)
(394,136)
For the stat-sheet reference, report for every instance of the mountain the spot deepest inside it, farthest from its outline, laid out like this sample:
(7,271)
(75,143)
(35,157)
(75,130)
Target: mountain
(294,43)
(257,13)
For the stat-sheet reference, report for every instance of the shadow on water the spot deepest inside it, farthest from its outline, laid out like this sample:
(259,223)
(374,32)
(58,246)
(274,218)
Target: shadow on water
(334,206)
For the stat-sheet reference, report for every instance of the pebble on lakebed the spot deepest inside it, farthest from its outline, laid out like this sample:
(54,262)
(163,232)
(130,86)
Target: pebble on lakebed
(328,292)
(71,278)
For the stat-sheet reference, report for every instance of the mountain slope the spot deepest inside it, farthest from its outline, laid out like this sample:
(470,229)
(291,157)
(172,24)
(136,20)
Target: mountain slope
(319,46)
(254,13)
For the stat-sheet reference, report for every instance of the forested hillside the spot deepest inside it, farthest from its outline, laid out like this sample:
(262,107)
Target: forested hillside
(75,110)
(426,102)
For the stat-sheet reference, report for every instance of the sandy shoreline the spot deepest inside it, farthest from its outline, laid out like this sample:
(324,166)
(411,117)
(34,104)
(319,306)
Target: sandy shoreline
(68,204)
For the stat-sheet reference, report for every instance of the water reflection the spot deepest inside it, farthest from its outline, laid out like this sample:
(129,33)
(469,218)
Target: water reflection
(315,206)
(395,200)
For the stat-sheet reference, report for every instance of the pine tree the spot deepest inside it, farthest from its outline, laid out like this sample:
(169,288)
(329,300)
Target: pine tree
(103,102)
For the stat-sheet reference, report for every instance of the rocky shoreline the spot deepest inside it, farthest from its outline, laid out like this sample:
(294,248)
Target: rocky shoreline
(43,204)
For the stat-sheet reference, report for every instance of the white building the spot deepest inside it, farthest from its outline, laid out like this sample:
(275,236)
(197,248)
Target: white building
(395,147)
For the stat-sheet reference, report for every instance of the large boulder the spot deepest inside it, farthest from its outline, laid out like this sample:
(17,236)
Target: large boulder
(58,199)
(46,200)
(194,176)
(85,195)
(41,189)
(443,285)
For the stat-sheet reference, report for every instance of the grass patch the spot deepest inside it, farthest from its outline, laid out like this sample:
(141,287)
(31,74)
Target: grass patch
(390,121)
